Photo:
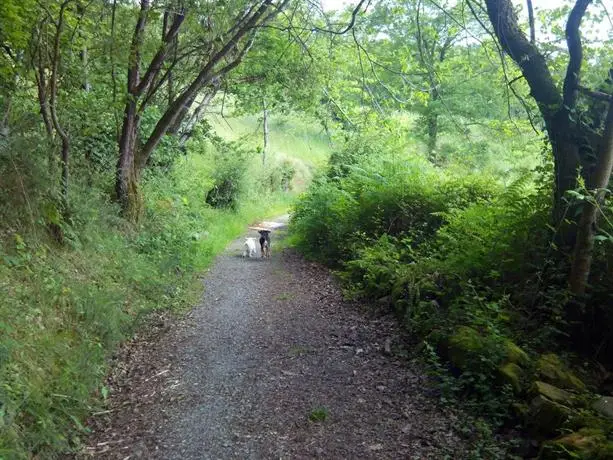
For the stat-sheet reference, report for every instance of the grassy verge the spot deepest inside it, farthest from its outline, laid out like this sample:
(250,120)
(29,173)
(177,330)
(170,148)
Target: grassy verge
(64,309)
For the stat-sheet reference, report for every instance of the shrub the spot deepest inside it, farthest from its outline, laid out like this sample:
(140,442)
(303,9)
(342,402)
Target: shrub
(437,247)
(376,267)
(492,239)
(231,164)
(404,199)
(323,222)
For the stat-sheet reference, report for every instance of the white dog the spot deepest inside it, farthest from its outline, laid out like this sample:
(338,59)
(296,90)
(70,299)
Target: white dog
(250,248)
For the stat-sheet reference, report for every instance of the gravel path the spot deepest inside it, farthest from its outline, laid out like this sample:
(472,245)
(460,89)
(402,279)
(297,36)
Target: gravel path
(272,364)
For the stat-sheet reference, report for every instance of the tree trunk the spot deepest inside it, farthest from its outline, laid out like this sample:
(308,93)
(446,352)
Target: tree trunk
(432,122)
(59,129)
(4,122)
(174,46)
(133,155)
(265,130)
(196,117)
(41,86)
(84,61)
(567,163)
(126,185)
(207,75)
(582,257)
(175,127)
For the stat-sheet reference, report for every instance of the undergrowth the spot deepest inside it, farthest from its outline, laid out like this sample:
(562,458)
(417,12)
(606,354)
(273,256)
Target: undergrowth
(468,263)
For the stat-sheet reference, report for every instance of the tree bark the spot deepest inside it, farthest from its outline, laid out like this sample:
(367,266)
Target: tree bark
(174,46)
(127,174)
(84,53)
(175,127)
(41,87)
(567,164)
(582,256)
(207,75)
(196,117)
(84,61)
(265,130)
(126,184)
(430,58)
(65,140)
(531,21)
(4,122)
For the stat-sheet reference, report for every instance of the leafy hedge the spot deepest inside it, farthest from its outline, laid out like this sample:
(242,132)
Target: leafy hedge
(441,249)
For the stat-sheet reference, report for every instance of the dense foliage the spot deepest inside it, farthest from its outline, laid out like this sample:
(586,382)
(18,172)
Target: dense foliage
(470,240)
(468,264)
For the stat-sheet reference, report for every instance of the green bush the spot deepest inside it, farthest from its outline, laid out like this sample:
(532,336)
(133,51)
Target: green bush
(492,239)
(440,249)
(401,198)
(278,176)
(323,223)
(231,164)
(376,268)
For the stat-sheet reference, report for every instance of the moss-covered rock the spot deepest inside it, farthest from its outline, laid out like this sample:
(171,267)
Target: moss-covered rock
(520,410)
(551,369)
(514,354)
(586,444)
(545,416)
(463,346)
(554,393)
(511,374)
(588,419)
(549,409)
(604,406)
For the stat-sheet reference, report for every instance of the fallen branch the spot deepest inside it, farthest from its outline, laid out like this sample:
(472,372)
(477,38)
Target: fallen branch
(158,374)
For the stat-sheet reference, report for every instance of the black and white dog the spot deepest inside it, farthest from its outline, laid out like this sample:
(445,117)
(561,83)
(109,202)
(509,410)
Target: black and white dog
(265,242)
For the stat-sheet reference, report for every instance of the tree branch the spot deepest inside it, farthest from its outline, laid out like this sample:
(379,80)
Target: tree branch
(236,61)
(135,47)
(160,55)
(53,101)
(526,56)
(575,51)
(596,94)
(206,75)
(39,75)
(374,72)
(349,26)
(531,22)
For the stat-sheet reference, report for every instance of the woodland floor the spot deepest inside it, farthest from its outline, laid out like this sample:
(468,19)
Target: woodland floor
(272,344)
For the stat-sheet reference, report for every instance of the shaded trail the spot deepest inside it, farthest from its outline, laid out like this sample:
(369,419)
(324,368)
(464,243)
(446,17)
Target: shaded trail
(271,344)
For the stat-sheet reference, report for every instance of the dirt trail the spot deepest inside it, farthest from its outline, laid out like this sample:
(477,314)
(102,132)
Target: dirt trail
(272,345)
